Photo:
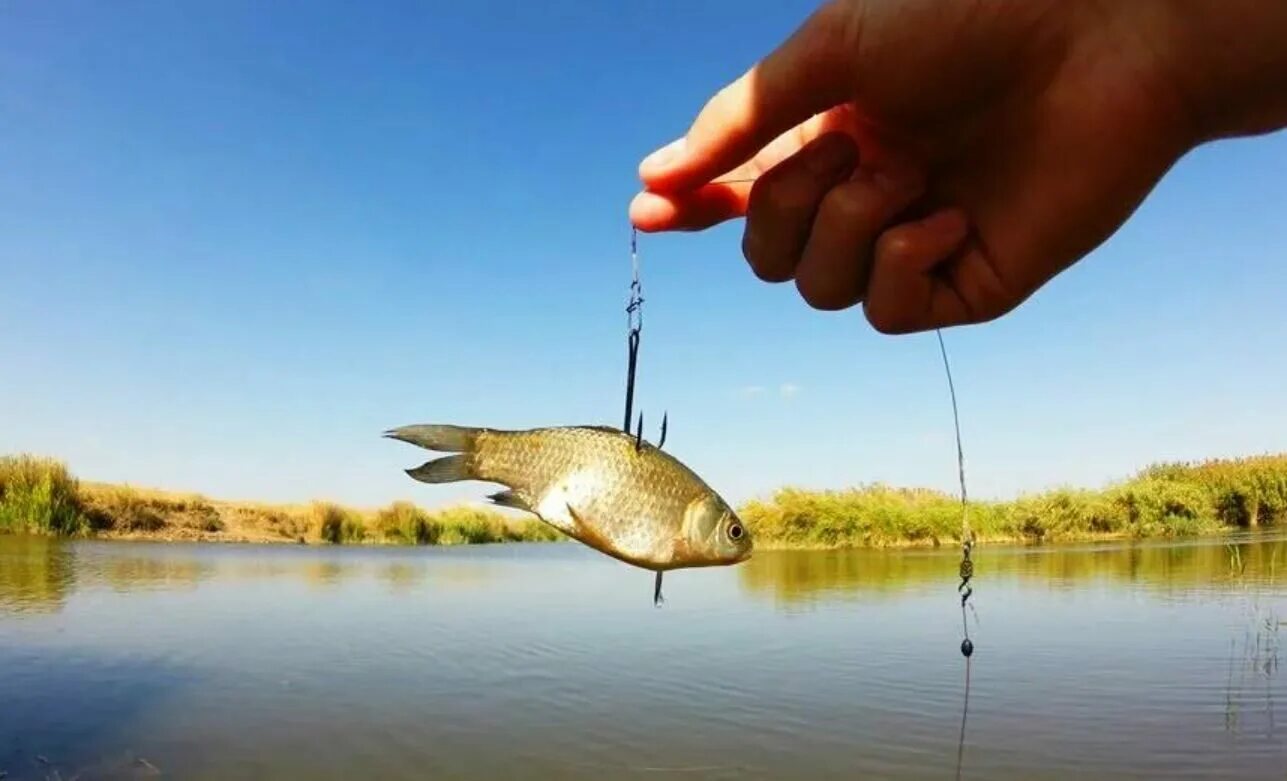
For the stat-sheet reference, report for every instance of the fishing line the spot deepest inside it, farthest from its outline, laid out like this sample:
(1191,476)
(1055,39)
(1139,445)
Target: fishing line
(634,323)
(967,544)
(634,329)
(967,536)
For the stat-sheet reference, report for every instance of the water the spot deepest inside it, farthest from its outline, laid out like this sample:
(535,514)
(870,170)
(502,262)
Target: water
(121,660)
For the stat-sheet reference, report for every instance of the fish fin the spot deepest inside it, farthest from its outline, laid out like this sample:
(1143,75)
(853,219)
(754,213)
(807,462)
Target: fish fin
(590,536)
(448,469)
(449,439)
(511,499)
(606,429)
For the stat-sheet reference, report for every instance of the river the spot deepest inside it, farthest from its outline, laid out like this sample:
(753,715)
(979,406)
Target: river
(549,661)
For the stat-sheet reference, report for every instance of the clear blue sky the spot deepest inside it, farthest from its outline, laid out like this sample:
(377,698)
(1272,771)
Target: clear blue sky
(238,240)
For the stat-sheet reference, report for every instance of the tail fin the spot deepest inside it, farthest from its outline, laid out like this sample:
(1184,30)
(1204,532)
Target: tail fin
(448,469)
(449,439)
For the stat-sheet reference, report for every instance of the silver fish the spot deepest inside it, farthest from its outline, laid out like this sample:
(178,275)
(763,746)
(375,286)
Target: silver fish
(601,486)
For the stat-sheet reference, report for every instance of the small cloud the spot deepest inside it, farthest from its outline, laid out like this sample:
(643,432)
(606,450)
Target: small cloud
(788,390)
(751,390)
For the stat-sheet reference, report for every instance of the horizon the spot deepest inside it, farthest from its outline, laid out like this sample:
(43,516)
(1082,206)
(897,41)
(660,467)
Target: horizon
(239,249)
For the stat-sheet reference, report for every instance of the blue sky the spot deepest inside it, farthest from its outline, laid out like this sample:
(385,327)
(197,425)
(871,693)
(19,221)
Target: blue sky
(239,240)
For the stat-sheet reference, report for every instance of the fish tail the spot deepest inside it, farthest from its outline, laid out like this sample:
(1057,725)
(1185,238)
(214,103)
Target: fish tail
(451,439)
(449,469)
(448,439)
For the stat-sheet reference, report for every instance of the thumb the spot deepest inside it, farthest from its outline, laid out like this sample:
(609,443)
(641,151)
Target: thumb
(808,73)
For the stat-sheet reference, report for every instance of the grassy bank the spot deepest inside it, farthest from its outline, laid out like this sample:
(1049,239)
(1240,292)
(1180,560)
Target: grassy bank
(1166,500)
(42,496)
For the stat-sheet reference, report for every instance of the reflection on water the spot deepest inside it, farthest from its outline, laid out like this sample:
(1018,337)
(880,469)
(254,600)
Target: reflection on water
(1154,660)
(134,573)
(1206,566)
(324,573)
(36,574)
(402,576)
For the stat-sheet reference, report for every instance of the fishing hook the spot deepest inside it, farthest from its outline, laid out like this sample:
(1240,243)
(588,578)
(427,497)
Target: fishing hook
(634,326)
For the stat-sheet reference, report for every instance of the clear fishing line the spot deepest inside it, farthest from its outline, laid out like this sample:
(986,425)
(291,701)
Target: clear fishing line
(967,544)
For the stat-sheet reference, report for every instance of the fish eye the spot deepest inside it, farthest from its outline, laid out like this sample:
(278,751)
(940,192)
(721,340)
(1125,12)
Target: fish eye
(735,532)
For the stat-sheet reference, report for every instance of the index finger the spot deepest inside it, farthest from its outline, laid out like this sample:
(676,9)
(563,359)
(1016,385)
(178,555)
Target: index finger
(808,73)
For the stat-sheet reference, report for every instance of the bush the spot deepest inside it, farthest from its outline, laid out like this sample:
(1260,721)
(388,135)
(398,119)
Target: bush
(39,495)
(403,522)
(123,508)
(336,525)
(473,526)
(1169,499)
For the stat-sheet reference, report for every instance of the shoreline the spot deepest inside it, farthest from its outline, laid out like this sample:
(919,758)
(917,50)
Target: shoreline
(182,536)
(1162,501)
(768,547)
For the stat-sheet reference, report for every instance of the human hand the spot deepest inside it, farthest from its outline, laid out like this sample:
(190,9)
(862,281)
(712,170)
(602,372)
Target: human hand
(940,160)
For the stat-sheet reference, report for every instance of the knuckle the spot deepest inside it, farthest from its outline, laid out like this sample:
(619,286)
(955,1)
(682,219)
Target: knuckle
(893,248)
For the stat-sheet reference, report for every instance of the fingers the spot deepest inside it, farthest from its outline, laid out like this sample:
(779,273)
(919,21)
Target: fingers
(810,72)
(783,202)
(926,275)
(727,197)
(689,211)
(836,263)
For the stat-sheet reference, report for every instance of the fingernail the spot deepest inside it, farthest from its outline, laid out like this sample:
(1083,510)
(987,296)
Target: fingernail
(660,158)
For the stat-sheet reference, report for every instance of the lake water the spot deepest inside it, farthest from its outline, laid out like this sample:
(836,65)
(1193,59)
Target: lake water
(124,660)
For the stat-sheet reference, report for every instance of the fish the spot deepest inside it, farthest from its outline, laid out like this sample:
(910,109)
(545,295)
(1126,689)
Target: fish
(604,487)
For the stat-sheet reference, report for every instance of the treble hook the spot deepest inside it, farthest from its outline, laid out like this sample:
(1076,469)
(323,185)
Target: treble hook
(662,442)
(639,434)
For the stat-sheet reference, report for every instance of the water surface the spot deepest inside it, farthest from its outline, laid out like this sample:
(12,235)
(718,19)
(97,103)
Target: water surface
(124,660)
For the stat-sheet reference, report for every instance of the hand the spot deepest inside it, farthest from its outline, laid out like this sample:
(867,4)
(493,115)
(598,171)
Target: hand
(940,160)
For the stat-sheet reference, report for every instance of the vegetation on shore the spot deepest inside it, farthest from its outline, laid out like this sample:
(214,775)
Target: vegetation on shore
(1163,500)
(42,496)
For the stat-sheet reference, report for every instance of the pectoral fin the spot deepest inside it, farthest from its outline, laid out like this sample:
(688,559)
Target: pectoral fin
(512,499)
(590,536)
